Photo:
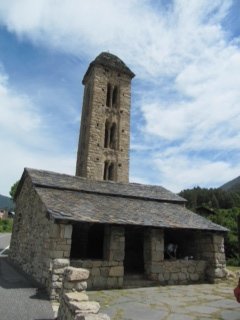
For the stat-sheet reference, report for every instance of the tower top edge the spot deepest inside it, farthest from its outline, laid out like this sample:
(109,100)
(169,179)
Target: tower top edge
(108,60)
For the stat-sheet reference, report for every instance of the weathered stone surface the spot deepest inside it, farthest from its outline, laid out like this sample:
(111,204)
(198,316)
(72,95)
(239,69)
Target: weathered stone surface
(75,296)
(80,286)
(76,274)
(84,307)
(60,263)
(116,271)
(99,316)
(68,231)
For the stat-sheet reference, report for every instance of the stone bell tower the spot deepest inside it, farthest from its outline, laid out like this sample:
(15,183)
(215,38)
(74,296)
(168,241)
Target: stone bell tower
(103,150)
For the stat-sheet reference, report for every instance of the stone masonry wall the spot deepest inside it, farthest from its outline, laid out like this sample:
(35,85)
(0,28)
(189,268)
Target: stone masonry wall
(74,302)
(37,242)
(103,274)
(31,229)
(178,271)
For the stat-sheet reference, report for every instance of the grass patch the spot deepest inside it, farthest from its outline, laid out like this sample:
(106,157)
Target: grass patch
(6,225)
(233,268)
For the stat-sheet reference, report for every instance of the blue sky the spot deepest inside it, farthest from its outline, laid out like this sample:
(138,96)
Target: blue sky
(185,116)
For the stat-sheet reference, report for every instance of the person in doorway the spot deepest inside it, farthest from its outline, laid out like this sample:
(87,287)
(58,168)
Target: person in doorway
(237,291)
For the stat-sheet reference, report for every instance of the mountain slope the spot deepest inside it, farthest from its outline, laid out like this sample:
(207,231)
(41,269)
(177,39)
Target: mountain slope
(233,185)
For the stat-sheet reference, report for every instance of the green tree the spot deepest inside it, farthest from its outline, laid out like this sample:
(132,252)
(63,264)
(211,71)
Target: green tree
(13,190)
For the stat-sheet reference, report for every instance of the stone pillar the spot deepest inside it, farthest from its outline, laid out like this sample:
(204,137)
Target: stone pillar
(116,244)
(56,277)
(153,250)
(74,302)
(211,248)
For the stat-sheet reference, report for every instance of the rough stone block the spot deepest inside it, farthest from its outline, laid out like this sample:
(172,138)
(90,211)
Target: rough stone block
(174,276)
(84,307)
(80,286)
(182,276)
(95,272)
(116,271)
(194,277)
(68,231)
(99,316)
(57,285)
(76,296)
(60,263)
(76,274)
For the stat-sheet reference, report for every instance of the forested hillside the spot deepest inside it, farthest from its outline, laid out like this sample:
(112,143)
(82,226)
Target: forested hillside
(224,209)
(212,198)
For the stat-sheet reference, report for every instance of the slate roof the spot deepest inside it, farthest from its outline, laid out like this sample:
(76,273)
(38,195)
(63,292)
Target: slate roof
(77,199)
(111,61)
(64,181)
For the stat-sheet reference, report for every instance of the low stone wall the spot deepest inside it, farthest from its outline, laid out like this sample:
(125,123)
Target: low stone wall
(103,274)
(55,281)
(177,271)
(74,302)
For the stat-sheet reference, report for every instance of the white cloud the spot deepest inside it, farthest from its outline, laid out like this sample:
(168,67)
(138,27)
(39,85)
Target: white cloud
(179,172)
(157,41)
(17,113)
(23,141)
(183,53)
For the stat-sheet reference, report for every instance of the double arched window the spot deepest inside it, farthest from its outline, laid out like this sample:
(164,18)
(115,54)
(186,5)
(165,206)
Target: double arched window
(112,96)
(109,173)
(110,139)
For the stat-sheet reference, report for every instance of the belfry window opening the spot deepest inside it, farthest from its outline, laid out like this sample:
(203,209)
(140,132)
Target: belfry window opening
(109,91)
(106,137)
(110,137)
(114,97)
(112,140)
(108,173)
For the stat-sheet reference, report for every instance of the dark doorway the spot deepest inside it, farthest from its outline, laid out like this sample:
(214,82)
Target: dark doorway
(134,261)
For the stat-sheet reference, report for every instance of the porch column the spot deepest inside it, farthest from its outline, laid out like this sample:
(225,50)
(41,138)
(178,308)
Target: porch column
(211,248)
(114,244)
(153,251)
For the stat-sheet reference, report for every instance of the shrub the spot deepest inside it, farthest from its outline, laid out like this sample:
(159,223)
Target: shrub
(6,225)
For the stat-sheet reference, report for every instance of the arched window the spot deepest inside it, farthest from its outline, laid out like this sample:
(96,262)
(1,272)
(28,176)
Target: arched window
(109,89)
(108,171)
(111,172)
(105,173)
(113,134)
(114,97)
(106,137)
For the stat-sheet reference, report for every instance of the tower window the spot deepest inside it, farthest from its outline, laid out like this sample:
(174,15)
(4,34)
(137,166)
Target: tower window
(110,138)
(111,172)
(109,89)
(106,137)
(112,142)
(114,97)
(108,171)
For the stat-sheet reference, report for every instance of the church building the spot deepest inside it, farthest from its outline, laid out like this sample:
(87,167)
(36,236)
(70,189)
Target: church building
(97,219)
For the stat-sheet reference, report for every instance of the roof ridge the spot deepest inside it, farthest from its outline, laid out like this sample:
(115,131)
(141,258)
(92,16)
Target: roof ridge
(41,185)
